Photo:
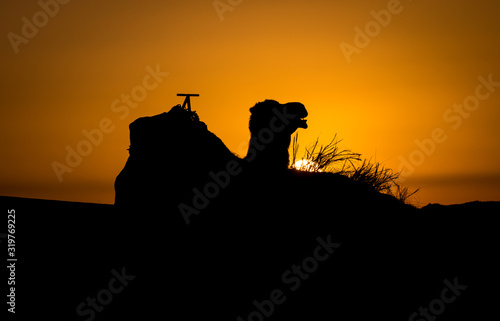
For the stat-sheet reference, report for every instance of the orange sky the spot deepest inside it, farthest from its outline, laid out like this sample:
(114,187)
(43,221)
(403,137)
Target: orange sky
(67,70)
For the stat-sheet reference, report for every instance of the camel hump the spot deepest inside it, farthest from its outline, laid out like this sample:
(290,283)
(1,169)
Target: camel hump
(169,154)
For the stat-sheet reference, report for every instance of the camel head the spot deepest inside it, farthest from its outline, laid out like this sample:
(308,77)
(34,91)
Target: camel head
(271,114)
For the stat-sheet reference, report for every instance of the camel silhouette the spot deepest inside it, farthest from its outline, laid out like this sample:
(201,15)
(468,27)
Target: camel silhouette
(173,152)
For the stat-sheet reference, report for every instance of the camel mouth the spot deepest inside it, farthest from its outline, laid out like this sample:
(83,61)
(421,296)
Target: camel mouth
(302,123)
